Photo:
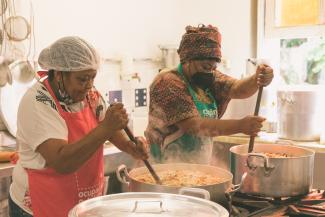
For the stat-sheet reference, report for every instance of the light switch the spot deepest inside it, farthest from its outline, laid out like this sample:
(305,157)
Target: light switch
(114,96)
(140,97)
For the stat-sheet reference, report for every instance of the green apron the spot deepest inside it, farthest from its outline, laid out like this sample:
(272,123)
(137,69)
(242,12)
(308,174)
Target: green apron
(189,148)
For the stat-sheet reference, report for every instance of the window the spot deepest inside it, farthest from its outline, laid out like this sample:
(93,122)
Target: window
(295,31)
(302,60)
(294,18)
(298,13)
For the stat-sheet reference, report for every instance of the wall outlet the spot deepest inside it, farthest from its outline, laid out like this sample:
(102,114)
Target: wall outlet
(140,97)
(114,96)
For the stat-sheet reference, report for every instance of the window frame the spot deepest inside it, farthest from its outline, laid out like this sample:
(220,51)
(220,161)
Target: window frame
(272,31)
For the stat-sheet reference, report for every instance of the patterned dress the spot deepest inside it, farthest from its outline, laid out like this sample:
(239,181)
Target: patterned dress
(171,102)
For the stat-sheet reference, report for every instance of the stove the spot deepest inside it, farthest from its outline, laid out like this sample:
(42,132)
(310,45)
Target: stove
(243,205)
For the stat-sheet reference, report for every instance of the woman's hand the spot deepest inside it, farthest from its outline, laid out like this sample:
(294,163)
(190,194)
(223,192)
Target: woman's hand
(140,150)
(251,125)
(264,75)
(116,117)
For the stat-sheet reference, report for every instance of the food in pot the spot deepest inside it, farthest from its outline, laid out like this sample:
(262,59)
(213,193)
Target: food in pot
(277,155)
(179,178)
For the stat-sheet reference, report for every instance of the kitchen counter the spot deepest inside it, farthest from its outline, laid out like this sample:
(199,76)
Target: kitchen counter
(111,154)
(6,169)
(7,142)
(270,138)
(113,157)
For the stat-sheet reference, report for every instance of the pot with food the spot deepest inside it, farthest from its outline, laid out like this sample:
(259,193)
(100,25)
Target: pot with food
(273,170)
(177,175)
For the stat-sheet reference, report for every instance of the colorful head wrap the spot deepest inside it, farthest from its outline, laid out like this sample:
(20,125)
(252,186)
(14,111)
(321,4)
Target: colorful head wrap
(199,43)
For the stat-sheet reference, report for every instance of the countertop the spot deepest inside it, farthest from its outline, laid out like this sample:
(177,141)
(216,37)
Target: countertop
(6,168)
(270,138)
(8,142)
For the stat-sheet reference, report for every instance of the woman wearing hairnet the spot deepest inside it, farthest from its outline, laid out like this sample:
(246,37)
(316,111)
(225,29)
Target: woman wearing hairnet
(186,103)
(62,125)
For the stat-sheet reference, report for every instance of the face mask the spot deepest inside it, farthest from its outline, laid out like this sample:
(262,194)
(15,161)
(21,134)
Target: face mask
(62,95)
(203,80)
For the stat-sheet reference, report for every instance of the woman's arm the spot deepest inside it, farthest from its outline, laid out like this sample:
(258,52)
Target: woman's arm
(66,158)
(122,142)
(246,87)
(249,125)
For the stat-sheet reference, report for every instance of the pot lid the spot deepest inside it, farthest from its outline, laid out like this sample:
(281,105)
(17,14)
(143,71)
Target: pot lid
(147,204)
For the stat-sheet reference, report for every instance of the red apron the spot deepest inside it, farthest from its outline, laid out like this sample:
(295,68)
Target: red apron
(54,194)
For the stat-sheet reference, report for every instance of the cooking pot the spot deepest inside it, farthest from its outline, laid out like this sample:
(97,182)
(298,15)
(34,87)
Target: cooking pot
(299,109)
(271,176)
(147,204)
(217,191)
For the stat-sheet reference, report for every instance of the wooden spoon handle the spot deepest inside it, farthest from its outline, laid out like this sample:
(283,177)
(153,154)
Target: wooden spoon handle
(146,162)
(257,108)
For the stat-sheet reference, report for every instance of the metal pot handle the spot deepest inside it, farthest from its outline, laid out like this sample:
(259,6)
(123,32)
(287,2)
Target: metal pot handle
(122,174)
(267,166)
(197,192)
(287,99)
(234,188)
(136,208)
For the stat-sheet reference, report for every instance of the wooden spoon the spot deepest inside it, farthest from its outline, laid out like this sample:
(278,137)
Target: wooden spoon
(146,162)
(257,108)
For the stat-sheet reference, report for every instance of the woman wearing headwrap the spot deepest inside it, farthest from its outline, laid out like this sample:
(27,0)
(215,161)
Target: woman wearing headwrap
(186,103)
(62,125)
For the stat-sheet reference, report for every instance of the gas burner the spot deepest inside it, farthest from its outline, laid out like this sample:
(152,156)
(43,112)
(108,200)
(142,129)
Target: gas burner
(312,204)
(238,212)
(271,200)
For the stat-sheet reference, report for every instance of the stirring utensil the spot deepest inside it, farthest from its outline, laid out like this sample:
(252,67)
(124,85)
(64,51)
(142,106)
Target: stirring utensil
(257,108)
(146,162)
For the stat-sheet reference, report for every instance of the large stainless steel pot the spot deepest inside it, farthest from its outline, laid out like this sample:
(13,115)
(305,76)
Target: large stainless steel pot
(217,191)
(146,205)
(273,177)
(299,110)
